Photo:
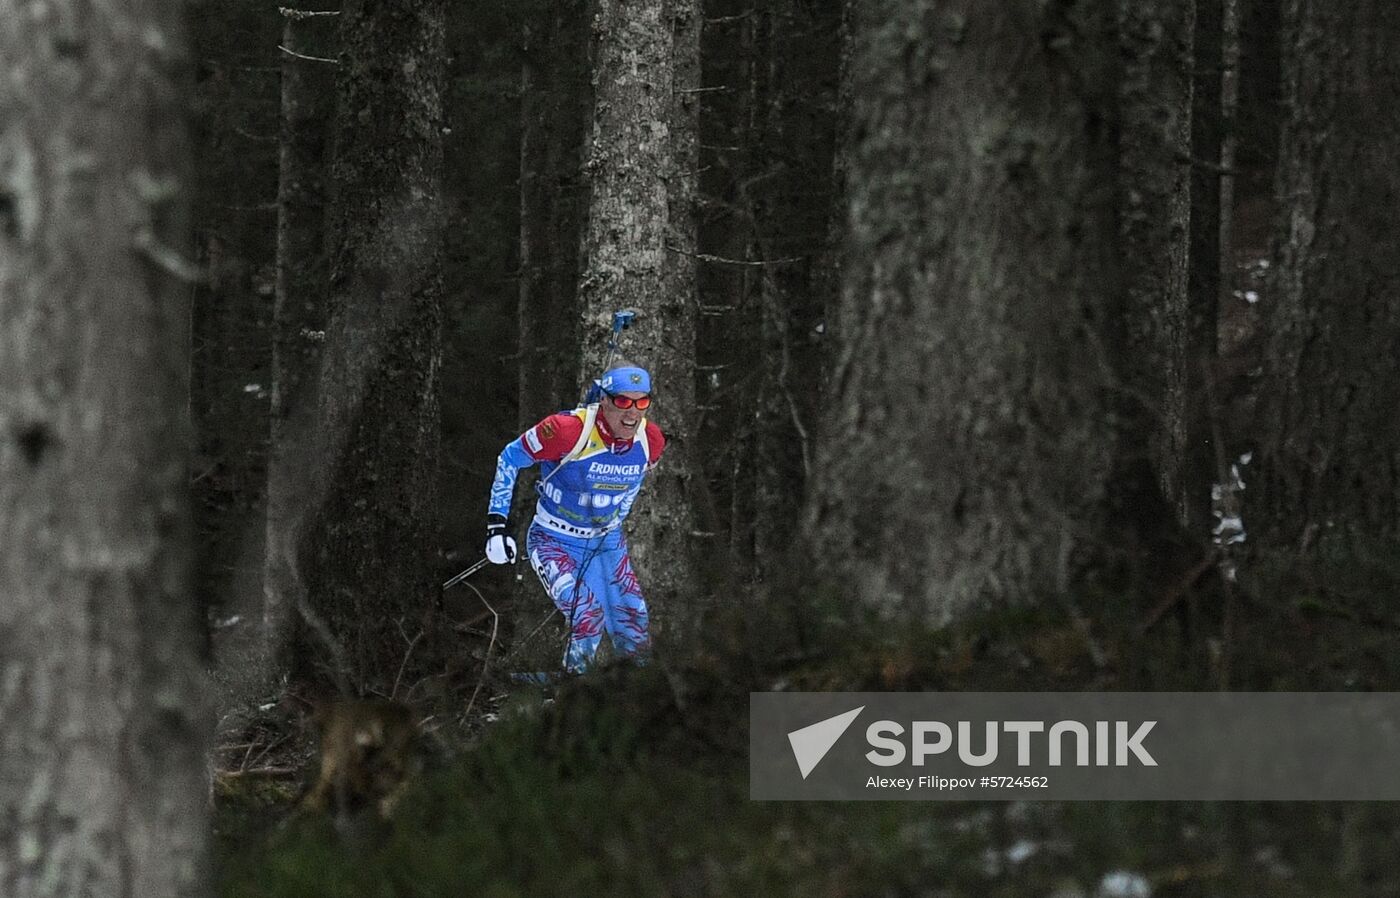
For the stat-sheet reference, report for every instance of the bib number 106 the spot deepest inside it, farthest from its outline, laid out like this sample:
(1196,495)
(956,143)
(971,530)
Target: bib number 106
(586,500)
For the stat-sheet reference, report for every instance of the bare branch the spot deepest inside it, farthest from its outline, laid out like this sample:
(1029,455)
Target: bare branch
(1206,164)
(340,668)
(296,15)
(168,260)
(486,661)
(261,771)
(393,693)
(297,55)
(720,260)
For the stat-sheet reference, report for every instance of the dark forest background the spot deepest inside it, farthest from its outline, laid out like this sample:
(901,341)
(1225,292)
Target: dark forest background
(1015,346)
(764,191)
(774,133)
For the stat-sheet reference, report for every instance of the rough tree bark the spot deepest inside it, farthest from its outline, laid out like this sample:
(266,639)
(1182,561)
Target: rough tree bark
(830,264)
(978,429)
(1154,109)
(369,549)
(298,318)
(1329,448)
(639,252)
(102,716)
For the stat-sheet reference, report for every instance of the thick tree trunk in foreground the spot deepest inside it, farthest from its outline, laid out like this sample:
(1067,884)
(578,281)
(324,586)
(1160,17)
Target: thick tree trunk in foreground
(371,546)
(1330,446)
(102,723)
(299,319)
(976,440)
(641,230)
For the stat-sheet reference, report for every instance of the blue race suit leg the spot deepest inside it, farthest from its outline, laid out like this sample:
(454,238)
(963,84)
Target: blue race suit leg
(563,565)
(592,584)
(624,608)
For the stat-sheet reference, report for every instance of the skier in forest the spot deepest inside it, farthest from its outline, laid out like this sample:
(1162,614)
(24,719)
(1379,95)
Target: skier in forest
(592,463)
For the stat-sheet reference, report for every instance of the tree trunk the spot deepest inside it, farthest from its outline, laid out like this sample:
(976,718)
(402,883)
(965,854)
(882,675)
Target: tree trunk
(299,321)
(1330,446)
(831,260)
(554,111)
(1154,195)
(103,788)
(1229,139)
(639,246)
(976,444)
(1203,283)
(371,544)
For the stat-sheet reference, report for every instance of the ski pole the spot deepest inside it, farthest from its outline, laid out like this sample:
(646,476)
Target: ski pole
(465,574)
(622,320)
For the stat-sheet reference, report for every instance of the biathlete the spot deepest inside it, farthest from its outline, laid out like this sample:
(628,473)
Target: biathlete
(592,461)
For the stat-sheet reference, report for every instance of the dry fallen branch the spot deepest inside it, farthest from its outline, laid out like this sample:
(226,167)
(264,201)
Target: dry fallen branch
(393,693)
(1177,590)
(259,771)
(486,661)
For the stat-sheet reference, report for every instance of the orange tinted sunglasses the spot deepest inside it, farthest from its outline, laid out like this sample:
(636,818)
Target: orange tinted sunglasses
(627,402)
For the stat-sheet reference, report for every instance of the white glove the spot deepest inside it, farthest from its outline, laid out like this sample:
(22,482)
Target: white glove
(500,546)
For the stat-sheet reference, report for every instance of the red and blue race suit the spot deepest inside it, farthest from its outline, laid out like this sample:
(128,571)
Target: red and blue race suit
(576,543)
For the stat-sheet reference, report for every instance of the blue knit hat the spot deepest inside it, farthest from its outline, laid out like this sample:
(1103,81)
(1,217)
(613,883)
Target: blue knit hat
(626,379)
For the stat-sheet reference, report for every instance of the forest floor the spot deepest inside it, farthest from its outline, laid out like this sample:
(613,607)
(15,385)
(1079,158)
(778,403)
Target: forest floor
(635,781)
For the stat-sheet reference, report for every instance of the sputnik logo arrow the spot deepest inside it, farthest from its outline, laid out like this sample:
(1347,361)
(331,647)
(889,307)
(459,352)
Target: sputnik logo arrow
(811,743)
